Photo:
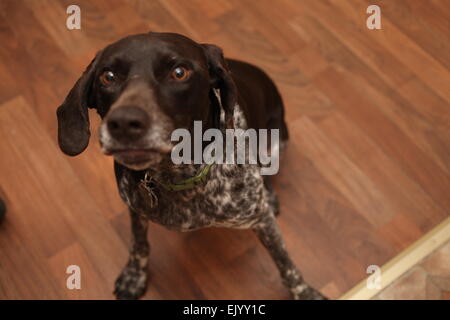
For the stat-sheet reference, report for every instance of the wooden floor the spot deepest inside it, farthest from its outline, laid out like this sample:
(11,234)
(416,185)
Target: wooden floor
(367,171)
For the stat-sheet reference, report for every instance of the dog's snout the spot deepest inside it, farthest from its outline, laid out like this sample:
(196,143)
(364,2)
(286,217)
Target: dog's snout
(128,123)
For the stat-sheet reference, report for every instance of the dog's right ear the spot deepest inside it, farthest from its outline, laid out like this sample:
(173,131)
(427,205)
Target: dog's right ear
(220,77)
(73,116)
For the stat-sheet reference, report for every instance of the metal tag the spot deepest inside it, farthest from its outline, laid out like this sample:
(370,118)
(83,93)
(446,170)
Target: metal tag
(147,192)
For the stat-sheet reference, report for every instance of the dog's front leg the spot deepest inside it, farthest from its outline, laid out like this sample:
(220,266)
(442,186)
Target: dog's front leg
(132,282)
(270,236)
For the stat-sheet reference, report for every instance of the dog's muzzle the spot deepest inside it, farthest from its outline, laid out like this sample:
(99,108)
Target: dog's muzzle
(128,124)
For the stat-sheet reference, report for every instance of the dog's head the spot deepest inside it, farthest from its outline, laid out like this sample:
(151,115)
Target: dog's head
(143,87)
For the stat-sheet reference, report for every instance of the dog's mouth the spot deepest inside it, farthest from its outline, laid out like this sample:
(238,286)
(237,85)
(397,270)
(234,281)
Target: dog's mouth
(133,155)
(138,155)
(136,158)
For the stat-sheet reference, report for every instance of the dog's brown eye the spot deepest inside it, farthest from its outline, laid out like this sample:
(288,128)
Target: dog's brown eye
(180,73)
(107,78)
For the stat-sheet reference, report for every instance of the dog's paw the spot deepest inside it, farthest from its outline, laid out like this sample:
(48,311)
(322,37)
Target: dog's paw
(305,292)
(131,284)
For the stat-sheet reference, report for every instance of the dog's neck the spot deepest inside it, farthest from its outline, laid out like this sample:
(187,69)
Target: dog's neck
(169,173)
(165,172)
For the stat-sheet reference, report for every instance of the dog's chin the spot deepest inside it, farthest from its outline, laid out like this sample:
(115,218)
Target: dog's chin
(138,166)
(138,160)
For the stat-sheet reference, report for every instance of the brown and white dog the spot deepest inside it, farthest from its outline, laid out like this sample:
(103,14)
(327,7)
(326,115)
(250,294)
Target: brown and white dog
(144,87)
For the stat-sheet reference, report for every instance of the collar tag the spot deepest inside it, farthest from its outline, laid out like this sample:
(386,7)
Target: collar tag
(146,191)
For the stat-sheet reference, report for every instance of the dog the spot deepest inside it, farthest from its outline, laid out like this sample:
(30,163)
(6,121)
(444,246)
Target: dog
(145,86)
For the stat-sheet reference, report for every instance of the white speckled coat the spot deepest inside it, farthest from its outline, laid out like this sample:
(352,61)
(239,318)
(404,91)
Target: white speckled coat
(233,195)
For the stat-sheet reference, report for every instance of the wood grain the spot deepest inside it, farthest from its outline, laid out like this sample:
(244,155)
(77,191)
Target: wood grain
(366,174)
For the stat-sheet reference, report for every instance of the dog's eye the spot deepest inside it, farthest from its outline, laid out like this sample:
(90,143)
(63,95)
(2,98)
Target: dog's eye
(107,78)
(180,73)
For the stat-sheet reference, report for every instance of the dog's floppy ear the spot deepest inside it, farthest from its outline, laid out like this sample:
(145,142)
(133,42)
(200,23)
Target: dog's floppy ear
(73,116)
(221,79)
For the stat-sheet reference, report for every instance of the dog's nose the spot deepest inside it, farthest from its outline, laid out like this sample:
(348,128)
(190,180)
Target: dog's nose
(128,123)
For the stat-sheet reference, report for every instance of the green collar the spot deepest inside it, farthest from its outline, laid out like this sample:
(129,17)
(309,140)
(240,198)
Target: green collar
(189,183)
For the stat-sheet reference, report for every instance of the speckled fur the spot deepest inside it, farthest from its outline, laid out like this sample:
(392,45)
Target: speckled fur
(234,196)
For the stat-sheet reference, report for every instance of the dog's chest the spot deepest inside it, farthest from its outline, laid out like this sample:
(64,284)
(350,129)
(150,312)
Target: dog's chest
(233,196)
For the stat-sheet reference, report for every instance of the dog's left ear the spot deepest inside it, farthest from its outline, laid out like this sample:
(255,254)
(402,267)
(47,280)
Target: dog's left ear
(73,116)
(221,79)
